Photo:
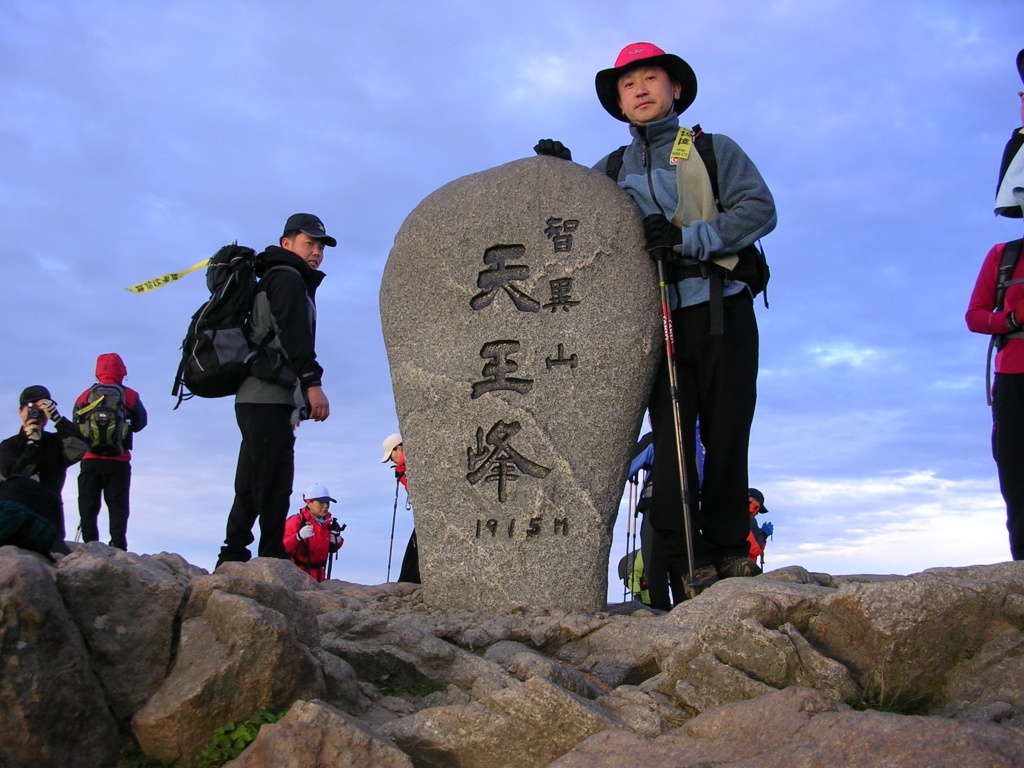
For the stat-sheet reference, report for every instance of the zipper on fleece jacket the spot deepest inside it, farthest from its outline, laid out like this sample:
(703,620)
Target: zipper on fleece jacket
(649,168)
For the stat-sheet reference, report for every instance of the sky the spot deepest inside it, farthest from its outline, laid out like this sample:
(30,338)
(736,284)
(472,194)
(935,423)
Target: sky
(138,138)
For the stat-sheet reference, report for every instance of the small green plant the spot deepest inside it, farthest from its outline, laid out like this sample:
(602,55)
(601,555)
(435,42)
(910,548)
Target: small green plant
(231,738)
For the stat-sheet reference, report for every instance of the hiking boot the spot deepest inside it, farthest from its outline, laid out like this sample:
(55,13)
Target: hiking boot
(703,577)
(738,566)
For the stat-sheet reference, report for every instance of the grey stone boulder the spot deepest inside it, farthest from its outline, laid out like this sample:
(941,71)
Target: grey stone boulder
(520,315)
(803,727)
(48,691)
(524,726)
(300,617)
(236,657)
(895,635)
(313,733)
(387,650)
(127,608)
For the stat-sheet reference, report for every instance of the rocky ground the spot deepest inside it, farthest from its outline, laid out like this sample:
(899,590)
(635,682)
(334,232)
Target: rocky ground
(108,656)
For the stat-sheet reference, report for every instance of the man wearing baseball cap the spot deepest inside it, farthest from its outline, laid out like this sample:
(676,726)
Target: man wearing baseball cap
(34,463)
(701,229)
(283,388)
(312,535)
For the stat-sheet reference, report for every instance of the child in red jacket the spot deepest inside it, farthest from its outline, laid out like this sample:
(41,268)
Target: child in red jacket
(311,536)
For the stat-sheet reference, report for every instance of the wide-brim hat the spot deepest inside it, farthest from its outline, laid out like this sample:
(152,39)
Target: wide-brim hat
(757,496)
(644,55)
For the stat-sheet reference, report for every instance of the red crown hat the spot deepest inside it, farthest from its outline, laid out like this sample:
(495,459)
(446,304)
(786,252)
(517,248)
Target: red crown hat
(646,55)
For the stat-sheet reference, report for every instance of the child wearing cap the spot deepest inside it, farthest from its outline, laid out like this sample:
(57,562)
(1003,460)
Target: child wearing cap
(312,536)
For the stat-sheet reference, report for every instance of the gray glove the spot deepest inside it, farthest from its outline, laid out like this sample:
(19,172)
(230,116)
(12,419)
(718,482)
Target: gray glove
(50,409)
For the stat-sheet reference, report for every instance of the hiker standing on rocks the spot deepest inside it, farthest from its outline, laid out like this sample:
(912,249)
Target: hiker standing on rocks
(312,536)
(283,388)
(34,462)
(116,411)
(997,310)
(716,339)
(394,451)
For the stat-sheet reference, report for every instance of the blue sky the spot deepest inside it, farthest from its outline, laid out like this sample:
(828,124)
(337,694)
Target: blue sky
(140,137)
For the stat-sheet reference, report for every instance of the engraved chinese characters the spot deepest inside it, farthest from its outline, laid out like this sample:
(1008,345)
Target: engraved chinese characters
(521,320)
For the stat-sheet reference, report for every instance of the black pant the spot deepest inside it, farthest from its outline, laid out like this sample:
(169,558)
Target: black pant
(411,562)
(263,481)
(717,381)
(1008,451)
(112,479)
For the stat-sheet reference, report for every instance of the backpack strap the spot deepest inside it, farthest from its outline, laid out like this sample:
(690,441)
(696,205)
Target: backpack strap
(614,165)
(1007,266)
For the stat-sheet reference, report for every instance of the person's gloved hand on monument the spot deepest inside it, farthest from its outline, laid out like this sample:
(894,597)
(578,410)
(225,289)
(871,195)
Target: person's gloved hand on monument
(552,148)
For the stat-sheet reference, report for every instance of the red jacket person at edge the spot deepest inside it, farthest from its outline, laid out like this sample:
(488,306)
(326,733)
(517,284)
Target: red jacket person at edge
(312,536)
(282,389)
(716,338)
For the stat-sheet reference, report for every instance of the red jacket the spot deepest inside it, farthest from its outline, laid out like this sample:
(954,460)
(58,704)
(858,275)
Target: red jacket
(400,472)
(310,554)
(110,369)
(982,319)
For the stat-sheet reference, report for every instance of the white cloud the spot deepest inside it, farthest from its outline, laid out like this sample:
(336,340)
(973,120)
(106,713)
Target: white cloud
(845,353)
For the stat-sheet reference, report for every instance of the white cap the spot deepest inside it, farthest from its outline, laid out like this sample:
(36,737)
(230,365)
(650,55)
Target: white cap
(390,443)
(318,492)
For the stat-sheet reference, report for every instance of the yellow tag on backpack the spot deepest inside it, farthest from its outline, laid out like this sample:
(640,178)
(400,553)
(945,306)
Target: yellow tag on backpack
(682,146)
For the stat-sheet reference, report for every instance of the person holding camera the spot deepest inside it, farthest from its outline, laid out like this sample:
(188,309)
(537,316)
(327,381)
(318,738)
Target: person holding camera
(34,462)
(312,536)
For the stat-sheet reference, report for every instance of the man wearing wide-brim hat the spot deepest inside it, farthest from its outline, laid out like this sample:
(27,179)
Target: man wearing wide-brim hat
(716,340)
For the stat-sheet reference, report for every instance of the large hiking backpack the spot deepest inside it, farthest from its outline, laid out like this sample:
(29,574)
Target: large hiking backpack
(215,353)
(103,420)
(752,268)
(24,527)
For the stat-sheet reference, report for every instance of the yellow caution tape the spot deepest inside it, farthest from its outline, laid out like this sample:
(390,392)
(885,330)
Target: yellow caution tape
(157,282)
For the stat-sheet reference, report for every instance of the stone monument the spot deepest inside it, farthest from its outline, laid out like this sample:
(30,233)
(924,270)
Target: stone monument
(520,313)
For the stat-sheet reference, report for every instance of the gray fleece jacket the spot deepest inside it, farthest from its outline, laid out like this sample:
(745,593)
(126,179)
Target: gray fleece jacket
(748,212)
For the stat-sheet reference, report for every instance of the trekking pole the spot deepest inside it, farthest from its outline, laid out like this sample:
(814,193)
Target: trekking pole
(394,514)
(670,360)
(629,524)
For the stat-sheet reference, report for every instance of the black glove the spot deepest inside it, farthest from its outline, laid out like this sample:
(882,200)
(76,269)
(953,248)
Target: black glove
(553,148)
(662,235)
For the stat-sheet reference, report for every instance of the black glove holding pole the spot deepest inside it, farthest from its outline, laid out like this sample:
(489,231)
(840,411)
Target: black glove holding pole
(662,237)
(553,148)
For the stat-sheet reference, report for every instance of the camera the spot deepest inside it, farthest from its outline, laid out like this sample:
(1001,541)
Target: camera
(32,413)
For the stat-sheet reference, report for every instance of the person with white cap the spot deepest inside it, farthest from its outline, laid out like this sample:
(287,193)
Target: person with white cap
(394,451)
(703,210)
(312,535)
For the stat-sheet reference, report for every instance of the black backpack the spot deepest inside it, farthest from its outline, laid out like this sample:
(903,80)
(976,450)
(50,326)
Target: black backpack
(752,267)
(215,355)
(24,527)
(1007,265)
(103,420)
